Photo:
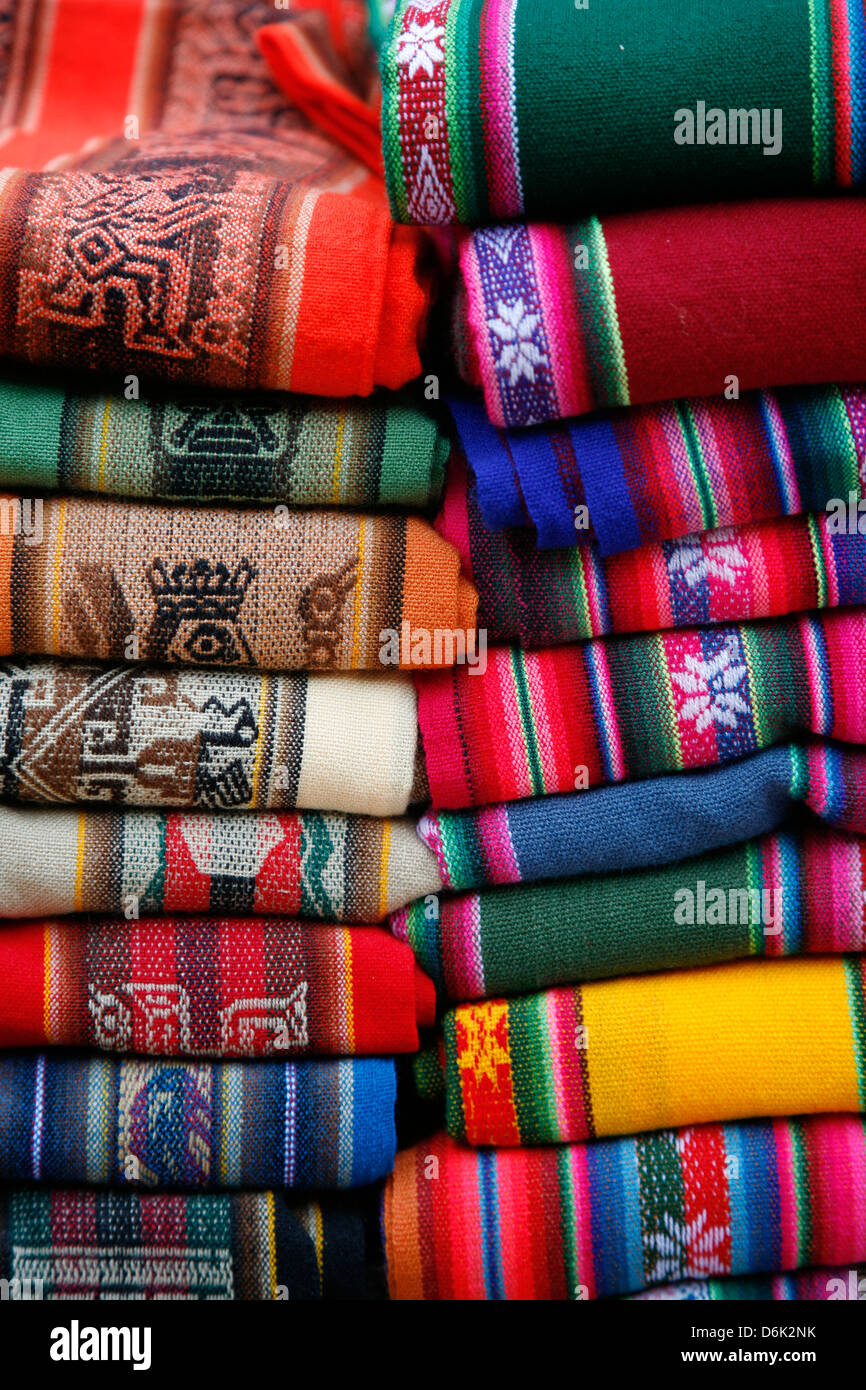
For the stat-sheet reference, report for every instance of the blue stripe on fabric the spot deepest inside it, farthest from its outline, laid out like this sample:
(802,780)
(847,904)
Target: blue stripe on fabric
(612,1260)
(857,32)
(541,485)
(611,512)
(374,1137)
(754,1197)
(488,1205)
(849,560)
(498,489)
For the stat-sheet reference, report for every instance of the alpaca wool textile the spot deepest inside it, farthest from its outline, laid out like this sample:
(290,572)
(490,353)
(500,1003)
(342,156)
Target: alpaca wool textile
(102,1121)
(544,598)
(639,824)
(221,740)
(614,1217)
(291,590)
(284,272)
(658,472)
(509,108)
(781,895)
(729,1042)
(642,307)
(808,1286)
(620,708)
(309,865)
(210,987)
(162,1245)
(301,451)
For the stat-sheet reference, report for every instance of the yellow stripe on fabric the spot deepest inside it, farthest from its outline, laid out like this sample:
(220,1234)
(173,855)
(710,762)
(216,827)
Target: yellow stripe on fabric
(349,992)
(816,542)
(46,984)
(79,861)
(359,599)
(616,371)
(103,445)
(383,870)
(720,1043)
(271,1235)
(260,751)
(58,557)
(338,457)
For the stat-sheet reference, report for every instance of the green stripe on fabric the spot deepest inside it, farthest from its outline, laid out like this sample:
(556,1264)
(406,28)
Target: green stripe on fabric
(529,1040)
(30,431)
(568,1221)
(802,1192)
(857,1005)
(700,477)
(455,1115)
(599,321)
(395,173)
(755,882)
(410,458)
(821,80)
(819,561)
(463,110)
(527,722)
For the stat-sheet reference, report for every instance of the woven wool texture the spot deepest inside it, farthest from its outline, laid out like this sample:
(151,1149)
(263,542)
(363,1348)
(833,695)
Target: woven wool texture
(640,824)
(185,1125)
(301,451)
(642,307)
(619,708)
(210,987)
(544,598)
(810,1286)
(781,895)
(658,472)
(214,739)
(782,1037)
(130,1245)
(599,1219)
(312,866)
(503,110)
(298,590)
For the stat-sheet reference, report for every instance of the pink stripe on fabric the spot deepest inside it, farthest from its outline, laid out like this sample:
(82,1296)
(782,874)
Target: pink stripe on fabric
(495,836)
(828,554)
(817,792)
(545,736)
(476,322)
(661,587)
(789,1216)
(440,736)
(499,687)
(462,962)
(553,277)
(593,585)
(498,111)
(582,1204)
(676,460)
(820,713)
(704,419)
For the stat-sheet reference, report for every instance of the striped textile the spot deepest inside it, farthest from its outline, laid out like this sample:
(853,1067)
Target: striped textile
(781,895)
(308,591)
(308,865)
(303,451)
(67,1119)
(729,1042)
(220,740)
(613,1217)
(808,1286)
(562,320)
(68,1244)
(210,987)
(544,598)
(658,472)
(638,824)
(626,707)
(509,108)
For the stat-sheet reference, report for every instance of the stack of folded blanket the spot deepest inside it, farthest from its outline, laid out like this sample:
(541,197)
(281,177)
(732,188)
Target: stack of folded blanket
(648,810)
(433,650)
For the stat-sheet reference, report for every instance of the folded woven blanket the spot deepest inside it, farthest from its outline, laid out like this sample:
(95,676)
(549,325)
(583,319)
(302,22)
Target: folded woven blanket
(500,110)
(697,301)
(233,259)
(662,471)
(782,1037)
(210,987)
(313,866)
(278,590)
(807,1286)
(222,739)
(781,895)
(612,1217)
(543,598)
(68,1244)
(638,824)
(298,450)
(68,1119)
(624,707)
